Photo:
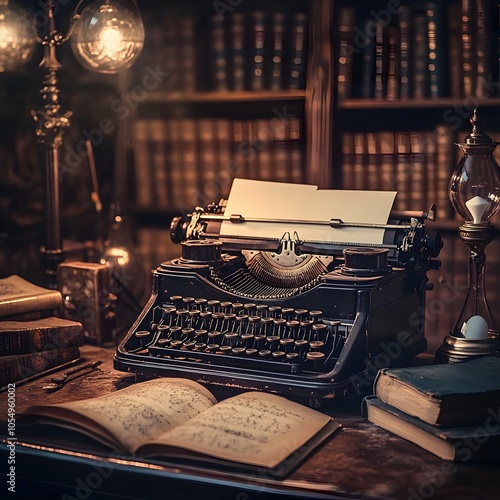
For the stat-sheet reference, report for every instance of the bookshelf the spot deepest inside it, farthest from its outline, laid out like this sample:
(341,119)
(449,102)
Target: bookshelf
(407,77)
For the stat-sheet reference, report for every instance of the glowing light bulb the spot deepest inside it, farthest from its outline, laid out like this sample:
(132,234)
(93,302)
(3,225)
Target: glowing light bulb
(17,39)
(108,36)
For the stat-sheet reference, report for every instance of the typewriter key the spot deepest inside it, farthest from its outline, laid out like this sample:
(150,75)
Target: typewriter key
(187,333)
(182,315)
(176,300)
(287,313)
(262,309)
(188,345)
(226,306)
(213,348)
(251,352)
(143,336)
(188,302)
(163,330)
(238,351)
(213,305)
(200,303)
(279,355)
(214,335)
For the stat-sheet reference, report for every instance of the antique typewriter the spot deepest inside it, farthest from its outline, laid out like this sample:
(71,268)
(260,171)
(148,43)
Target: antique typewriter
(309,317)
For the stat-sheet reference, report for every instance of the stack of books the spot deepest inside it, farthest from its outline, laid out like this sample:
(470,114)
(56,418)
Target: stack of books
(451,410)
(32,338)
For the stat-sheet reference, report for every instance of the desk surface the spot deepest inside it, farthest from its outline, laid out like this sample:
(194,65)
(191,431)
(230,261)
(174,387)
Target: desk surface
(361,461)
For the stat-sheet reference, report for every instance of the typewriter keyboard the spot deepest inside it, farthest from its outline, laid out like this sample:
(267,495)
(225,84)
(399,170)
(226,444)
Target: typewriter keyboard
(247,335)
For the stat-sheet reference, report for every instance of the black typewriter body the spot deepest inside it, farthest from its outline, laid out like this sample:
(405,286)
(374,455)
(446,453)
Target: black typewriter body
(229,313)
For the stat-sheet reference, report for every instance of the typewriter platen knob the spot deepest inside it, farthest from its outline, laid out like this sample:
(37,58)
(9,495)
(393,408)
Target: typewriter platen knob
(200,251)
(178,229)
(434,244)
(365,261)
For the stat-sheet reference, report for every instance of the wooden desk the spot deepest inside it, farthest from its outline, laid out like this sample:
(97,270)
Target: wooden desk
(361,461)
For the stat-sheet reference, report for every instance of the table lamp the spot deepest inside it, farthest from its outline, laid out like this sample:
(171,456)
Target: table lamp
(106,36)
(474,191)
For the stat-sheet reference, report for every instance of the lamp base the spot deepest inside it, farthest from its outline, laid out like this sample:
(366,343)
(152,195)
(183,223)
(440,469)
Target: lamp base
(458,349)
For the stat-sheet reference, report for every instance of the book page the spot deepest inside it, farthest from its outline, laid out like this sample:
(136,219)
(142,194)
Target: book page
(252,428)
(301,202)
(139,412)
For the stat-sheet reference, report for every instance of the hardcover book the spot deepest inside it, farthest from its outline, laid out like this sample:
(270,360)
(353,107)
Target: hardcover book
(443,395)
(20,337)
(455,443)
(19,296)
(20,366)
(179,420)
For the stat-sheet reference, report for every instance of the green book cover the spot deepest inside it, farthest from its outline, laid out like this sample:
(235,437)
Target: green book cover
(447,394)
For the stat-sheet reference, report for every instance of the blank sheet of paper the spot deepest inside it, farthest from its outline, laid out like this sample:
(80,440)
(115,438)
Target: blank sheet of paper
(303,202)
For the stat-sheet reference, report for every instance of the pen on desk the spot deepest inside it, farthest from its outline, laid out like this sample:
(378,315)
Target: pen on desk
(36,376)
(57,383)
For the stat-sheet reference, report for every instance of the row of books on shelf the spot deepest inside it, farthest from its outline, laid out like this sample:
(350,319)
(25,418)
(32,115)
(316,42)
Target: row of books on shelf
(425,50)
(417,164)
(181,163)
(238,51)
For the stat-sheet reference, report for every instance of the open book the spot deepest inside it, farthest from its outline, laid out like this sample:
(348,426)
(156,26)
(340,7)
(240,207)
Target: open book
(179,420)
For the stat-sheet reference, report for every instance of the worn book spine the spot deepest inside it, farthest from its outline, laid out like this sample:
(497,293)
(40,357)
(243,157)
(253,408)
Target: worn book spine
(405,47)
(18,367)
(468,47)
(392,65)
(444,168)
(359,170)
(277,52)
(380,91)
(418,172)
(347,18)
(387,160)
(186,50)
(403,171)
(485,29)
(17,337)
(347,160)
(437,56)
(367,62)
(455,50)
(372,178)
(218,53)
(420,73)
(237,38)
(258,47)
(298,51)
